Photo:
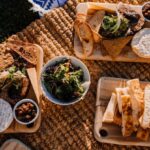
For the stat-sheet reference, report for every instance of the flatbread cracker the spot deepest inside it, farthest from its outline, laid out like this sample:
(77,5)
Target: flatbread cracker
(6,58)
(96,20)
(25,50)
(127,119)
(115,46)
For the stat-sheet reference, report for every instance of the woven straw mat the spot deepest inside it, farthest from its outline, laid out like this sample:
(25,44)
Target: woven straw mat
(71,127)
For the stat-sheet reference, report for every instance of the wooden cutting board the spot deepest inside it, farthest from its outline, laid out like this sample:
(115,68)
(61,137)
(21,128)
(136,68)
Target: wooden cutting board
(106,86)
(127,55)
(34,93)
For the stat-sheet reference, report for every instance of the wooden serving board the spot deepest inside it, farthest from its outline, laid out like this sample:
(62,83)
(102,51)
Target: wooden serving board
(127,54)
(34,93)
(106,86)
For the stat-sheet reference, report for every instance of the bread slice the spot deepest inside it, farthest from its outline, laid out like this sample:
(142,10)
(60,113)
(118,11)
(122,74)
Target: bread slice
(86,38)
(127,119)
(145,119)
(137,100)
(110,110)
(119,93)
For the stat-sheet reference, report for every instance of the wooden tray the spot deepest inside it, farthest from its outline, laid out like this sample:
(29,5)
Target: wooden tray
(126,56)
(34,93)
(106,86)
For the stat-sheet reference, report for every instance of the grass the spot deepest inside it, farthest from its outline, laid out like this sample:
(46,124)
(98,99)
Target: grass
(14,16)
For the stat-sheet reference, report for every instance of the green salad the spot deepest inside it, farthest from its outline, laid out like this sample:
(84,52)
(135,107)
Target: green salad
(112,27)
(64,80)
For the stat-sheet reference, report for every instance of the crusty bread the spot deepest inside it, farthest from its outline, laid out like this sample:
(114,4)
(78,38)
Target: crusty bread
(137,100)
(119,93)
(110,110)
(145,119)
(141,43)
(127,119)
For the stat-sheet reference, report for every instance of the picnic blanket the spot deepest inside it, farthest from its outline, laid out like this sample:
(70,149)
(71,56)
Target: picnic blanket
(71,127)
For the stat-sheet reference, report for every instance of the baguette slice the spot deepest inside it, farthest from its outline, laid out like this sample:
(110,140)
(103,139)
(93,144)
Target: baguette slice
(119,93)
(110,110)
(137,100)
(86,38)
(127,119)
(145,119)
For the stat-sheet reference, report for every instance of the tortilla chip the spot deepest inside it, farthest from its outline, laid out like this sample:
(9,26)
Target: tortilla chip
(115,46)
(96,20)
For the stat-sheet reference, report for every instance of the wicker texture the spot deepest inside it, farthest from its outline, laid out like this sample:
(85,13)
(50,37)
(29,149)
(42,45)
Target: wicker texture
(71,127)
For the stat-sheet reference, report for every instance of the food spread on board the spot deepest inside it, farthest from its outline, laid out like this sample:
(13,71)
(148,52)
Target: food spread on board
(111,30)
(15,57)
(129,108)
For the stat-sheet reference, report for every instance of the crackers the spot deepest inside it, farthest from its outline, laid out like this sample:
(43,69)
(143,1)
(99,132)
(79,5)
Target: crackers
(25,50)
(6,58)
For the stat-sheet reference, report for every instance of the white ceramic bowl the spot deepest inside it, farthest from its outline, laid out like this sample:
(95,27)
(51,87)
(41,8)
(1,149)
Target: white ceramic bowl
(25,101)
(86,80)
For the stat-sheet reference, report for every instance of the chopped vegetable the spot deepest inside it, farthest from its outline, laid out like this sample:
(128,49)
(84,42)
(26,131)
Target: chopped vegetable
(110,27)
